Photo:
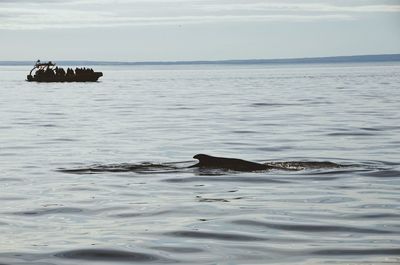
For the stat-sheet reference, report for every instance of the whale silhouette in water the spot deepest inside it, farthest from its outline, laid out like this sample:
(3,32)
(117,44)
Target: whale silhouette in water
(207,161)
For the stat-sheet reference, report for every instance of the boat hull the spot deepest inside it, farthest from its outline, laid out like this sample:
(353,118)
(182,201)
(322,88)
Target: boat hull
(86,77)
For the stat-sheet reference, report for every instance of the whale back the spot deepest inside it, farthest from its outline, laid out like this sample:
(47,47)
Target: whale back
(207,161)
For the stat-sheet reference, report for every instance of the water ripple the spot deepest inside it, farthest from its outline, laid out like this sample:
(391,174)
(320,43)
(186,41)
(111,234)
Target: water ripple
(62,210)
(383,174)
(354,252)
(311,228)
(109,255)
(65,210)
(179,249)
(124,167)
(217,236)
(225,179)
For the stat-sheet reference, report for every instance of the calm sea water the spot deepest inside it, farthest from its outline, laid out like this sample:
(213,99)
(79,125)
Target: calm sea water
(147,116)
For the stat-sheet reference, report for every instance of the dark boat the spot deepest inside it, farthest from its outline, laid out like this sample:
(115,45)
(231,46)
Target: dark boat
(49,72)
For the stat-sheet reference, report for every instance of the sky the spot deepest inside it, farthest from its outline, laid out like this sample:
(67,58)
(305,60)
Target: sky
(176,30)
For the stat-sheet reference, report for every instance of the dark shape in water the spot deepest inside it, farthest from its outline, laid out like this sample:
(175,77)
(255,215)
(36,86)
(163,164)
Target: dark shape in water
(207,161)
(124,167)
(107,255)
(49,72)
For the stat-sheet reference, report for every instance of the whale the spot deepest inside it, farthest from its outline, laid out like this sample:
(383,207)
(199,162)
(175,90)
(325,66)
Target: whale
(207,161)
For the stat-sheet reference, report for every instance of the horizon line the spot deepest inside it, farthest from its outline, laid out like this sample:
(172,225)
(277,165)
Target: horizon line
(300,60)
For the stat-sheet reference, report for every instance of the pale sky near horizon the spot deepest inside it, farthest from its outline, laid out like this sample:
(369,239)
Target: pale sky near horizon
(171,30)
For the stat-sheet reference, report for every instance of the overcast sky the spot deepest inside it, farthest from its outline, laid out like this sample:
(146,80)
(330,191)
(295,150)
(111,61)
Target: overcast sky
(165,30)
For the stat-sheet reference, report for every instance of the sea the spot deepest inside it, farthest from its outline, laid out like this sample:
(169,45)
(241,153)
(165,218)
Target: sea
(99,173)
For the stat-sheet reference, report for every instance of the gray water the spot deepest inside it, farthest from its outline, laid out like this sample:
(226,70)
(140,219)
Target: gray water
(155,119)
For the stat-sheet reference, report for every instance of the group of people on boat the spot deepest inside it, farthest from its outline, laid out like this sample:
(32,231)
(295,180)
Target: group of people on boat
(61,73)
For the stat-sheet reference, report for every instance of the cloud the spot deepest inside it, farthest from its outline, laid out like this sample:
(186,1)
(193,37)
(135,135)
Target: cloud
(77,19)
(301,7)
(44,14)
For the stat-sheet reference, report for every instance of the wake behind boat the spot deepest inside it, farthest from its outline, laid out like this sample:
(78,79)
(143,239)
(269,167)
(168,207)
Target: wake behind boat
(49,72)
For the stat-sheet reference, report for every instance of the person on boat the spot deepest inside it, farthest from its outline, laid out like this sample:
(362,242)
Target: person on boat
(39,73)
(49,72)
(62,72)
(70,73)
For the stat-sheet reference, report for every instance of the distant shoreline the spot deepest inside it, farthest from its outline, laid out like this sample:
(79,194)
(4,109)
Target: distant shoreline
(313,60)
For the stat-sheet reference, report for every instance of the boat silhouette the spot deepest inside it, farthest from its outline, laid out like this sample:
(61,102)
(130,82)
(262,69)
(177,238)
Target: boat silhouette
(49,72)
